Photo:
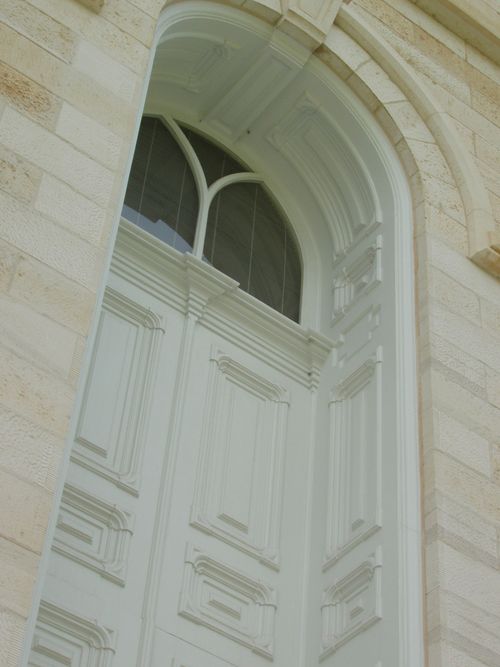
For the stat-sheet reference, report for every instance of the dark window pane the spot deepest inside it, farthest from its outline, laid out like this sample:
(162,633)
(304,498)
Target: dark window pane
(248,239)
(161,194)
(229,231)
(214,161)
(247,236)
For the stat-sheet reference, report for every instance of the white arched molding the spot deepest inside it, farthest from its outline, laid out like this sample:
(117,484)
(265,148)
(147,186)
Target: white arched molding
(310,21)
(365,273)
(484,240)
(359,273)
(206,193)
(307,21)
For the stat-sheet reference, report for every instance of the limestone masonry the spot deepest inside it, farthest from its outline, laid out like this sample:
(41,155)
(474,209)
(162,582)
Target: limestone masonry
(72,76)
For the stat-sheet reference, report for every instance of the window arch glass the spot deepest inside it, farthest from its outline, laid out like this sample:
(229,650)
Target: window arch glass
(240,231)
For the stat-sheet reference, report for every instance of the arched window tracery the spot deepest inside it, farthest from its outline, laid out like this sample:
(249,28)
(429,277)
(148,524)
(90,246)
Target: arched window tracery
(196,197)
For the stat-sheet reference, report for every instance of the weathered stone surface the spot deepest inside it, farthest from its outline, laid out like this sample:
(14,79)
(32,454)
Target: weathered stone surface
(18,177)
(82,91)
(29,97)
(70,85)
(49,292)
(17,576)
(25,510)
(9,257)
(90,137)
(59,202)
(35,394)
(27,450)
(56,156)
(54,345)
(67,253)
(39,27)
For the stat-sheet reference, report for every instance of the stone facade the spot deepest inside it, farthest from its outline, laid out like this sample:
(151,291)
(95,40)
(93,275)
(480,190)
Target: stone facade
(71,84)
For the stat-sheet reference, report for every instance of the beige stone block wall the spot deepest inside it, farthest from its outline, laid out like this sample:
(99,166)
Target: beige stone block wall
(71,78)
(70,86)
(458,313)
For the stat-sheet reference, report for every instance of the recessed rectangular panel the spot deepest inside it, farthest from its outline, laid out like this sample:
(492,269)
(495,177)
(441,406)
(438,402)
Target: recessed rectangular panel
(65,639)
(239,477)
(351,604)
(113,418)
(241,433)
(354,507)
(256,89)
(109,377)
(93,533)
(228,602)
(356,335)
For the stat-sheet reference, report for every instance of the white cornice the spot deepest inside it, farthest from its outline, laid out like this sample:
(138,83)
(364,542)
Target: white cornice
(182,280)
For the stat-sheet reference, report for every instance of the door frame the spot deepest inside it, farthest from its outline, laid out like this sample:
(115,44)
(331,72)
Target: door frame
(409,538)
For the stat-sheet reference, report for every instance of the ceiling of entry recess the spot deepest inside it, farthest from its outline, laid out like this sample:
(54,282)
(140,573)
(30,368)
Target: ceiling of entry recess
(265,97)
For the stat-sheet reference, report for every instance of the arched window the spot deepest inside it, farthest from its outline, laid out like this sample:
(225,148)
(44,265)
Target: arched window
(223,213)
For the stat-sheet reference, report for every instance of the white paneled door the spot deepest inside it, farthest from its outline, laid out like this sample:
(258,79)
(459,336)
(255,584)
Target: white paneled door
(182,532)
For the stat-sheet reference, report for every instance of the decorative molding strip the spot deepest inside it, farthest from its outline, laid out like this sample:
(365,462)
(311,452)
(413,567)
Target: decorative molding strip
(93,533)
(111,445)
(309,138)
(228,602)
(241,459)
(354,478)
(357,279)
(193,68)
(63,638)
(262,82)
(357,334)
(351,605)
(235,315)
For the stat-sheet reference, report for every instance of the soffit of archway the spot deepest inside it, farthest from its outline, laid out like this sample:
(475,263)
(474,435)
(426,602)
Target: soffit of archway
(258,95)
(310,20)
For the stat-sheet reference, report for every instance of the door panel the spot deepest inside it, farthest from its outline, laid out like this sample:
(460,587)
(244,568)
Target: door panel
(97,569)
(359,571)
(247,430)
(185,507)
(232,493)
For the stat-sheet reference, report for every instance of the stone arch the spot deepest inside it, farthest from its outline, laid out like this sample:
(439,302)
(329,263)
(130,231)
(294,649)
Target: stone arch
(374,71)
(362,272)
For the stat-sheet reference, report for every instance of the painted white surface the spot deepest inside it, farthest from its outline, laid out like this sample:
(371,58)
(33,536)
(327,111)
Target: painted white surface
(237,492)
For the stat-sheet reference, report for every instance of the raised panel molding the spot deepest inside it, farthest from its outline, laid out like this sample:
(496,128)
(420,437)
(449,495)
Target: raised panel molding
(63,638)
(110,434)
(162,272)
(228,602)
(357,334)
(351,605)
(192,64)
(254,92)
(310,139)
(352,281)
(313,18)
(240,473)
(93,533)
(354,509)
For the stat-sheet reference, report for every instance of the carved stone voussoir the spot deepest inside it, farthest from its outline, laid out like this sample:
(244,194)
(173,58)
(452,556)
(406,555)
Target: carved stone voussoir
(309,21)
(489,259)
(93,5)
